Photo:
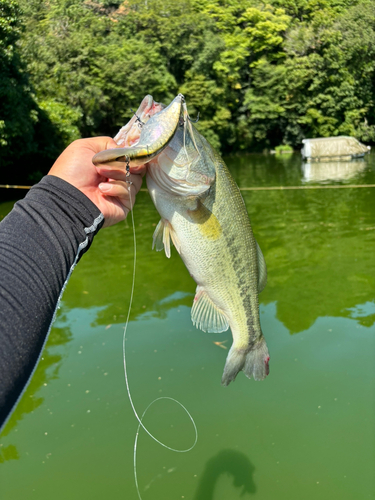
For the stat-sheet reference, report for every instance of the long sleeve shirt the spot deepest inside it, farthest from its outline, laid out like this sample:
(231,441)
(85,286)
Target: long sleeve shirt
(41,241)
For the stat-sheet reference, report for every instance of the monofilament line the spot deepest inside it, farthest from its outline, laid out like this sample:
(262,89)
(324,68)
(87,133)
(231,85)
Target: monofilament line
(140,424)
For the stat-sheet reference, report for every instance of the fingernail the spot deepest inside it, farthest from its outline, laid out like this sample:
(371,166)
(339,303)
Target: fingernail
(105,187)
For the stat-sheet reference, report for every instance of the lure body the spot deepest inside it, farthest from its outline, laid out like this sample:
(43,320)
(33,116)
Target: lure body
(154,137)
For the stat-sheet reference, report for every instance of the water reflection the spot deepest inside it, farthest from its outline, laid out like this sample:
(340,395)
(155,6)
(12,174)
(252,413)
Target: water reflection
(332,171)
(8,453)
(318,245)
(230,462)
(265,170)
(47,370)
(363,313)
(288,170)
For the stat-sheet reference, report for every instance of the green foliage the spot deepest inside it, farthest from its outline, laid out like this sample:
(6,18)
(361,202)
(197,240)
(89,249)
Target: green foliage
(259,74)
(9,26)
(16,112)
(284,148)
(27,136)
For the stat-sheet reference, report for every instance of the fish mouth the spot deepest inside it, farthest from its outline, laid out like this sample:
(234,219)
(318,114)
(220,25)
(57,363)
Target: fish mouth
(129,134)
(149,107)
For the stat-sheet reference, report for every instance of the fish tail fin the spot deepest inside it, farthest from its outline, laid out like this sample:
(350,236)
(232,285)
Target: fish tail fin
(257,361)
(254,363)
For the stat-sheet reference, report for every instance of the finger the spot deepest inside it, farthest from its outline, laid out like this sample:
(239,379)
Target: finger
(98,144)
(118,175)
(136,181)
(121,190)
(114,172)
(140,170)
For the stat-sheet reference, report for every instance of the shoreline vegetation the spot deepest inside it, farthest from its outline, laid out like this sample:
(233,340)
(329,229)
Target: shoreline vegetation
(260,75)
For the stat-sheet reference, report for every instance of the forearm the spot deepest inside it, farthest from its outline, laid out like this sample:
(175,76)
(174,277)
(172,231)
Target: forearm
(40,242)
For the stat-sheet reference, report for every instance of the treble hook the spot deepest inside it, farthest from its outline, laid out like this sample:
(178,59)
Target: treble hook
(194,121)
(140,122)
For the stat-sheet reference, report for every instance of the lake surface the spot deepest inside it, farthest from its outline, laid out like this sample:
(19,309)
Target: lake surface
(306,432)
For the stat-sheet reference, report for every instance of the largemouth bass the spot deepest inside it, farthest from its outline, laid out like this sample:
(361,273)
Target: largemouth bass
(204,216)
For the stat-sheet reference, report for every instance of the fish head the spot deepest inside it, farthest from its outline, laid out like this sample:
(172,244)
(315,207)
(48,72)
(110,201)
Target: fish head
(185,167)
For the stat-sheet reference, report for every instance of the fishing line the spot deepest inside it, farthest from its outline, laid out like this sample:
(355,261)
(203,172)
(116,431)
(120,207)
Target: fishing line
(140,424)
(187,125)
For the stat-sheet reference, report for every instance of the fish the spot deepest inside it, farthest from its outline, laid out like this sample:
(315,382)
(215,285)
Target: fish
(204,216)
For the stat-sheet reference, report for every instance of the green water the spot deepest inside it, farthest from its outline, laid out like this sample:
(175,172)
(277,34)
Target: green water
(306,432)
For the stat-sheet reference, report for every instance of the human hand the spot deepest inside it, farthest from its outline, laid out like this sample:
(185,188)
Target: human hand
(105,187)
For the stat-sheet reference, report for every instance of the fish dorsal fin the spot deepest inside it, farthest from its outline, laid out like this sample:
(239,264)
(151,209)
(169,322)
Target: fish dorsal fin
(262,270)
(205,315)
(162,237)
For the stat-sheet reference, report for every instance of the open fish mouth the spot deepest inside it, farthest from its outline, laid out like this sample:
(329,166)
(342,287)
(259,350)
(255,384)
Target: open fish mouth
(129,134)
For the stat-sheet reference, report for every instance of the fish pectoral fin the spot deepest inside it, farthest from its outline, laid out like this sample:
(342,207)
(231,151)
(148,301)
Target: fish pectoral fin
(205,315)
(262,270)
(162,237)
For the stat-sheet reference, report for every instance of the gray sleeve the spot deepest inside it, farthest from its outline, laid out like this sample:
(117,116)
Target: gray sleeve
(41,240)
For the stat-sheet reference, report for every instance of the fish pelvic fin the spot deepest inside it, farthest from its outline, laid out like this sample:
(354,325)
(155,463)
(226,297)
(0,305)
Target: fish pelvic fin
(162,237)
(254,362)
(205,315)
(157,238)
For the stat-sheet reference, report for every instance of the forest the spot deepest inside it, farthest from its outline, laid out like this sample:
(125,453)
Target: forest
(259,74)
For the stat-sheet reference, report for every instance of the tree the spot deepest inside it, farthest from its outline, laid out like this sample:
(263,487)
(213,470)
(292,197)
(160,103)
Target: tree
(27,136)
(259,74)
(17,112)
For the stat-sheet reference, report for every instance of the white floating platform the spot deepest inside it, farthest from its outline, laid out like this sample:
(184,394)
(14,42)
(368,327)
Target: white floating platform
(341,148)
